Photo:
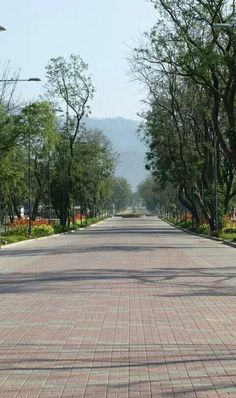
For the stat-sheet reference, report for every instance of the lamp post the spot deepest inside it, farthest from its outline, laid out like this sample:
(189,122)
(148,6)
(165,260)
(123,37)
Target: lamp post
(64,176)
(49,190)
(30,79)
(224,25)
(49,175)
(215,173)
(29,184)
(33,79)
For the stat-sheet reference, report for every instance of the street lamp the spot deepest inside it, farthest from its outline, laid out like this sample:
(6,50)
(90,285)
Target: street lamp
(49,174)
(216,181)
(224,25)
(31,79)
(2,28)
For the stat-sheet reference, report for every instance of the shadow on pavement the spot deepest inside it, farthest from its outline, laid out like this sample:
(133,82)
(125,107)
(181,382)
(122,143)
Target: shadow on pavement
(176,282)
(179,369)
(131,231)
(99,248)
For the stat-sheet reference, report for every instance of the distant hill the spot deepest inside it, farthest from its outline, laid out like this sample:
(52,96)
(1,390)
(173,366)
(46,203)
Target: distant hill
(122,134)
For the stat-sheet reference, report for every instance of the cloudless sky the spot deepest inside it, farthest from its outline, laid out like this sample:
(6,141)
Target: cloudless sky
(102,32)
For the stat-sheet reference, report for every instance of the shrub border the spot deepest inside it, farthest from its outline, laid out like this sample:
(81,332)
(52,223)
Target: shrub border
(225,242)
(52,236)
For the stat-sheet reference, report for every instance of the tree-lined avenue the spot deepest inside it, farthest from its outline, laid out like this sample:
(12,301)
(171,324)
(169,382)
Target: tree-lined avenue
(128,308)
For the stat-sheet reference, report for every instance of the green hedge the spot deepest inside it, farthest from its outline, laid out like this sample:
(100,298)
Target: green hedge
(204,229)
(12,238)
(58,229)
(42,230)
(229,230)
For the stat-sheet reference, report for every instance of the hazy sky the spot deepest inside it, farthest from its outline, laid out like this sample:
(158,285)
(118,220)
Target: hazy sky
(100,31)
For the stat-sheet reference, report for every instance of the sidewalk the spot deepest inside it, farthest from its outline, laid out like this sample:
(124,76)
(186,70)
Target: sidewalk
(129,308)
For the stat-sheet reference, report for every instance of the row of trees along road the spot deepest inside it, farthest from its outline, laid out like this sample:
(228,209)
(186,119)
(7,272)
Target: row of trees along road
(47,141)
(189,68)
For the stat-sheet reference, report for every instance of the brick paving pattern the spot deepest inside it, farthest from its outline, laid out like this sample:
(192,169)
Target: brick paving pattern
(129,308)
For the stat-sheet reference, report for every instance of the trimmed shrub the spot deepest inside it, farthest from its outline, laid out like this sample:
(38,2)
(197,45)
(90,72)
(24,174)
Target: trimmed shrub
(187,224)
(13,238)
(42,230)
(59,229)
(89,221)
(204,229)
(228,222)
(18,230)
(229,230)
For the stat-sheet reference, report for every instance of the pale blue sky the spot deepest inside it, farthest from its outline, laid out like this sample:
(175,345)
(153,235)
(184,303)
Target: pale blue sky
(100,31)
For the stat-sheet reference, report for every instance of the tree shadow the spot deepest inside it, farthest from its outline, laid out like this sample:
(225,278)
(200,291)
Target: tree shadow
(73,247)
(132,230)
(187,369)
(99,248)
(175,282)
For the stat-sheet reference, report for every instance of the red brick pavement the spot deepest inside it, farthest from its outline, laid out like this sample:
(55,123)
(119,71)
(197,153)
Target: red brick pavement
(129,308)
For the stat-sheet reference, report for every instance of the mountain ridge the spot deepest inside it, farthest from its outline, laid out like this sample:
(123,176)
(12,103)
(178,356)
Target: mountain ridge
(122,133)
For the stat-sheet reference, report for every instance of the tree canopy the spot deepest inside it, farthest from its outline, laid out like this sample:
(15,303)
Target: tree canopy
(188,67)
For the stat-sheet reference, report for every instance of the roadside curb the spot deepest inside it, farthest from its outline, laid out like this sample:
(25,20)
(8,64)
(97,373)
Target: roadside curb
(224,242)
(97,223)
(29,240)
(2,247)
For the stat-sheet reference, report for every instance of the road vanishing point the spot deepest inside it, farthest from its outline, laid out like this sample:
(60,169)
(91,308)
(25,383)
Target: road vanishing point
(127,308)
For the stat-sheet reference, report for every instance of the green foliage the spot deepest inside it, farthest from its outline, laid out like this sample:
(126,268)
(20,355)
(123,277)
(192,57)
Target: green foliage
(13,178)
(36,231)
(229,230)
(190,132)
(6,239)
(148,193)
(92,171)
(123,195)
(90,221)
(36,128)
(42,230)
(65,164)
(58,229)
(228,236)
(8,134)
(158,197)
(69,81)
(21,230)
(204,229)
(186,224)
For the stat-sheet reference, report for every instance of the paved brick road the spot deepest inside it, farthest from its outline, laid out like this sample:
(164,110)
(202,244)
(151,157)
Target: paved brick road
(129,308)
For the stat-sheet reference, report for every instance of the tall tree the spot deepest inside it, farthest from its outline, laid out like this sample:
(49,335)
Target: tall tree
(37,124)
(123,195)
(186,43)
(93,171)
(189,70)
(70,86)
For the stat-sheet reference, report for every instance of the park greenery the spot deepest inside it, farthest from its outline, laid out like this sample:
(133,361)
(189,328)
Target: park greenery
(51,164)
(57,168)
(165,203)
(188,66)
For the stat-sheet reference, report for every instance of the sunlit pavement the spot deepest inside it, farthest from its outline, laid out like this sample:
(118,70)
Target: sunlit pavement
(128,308)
